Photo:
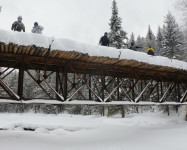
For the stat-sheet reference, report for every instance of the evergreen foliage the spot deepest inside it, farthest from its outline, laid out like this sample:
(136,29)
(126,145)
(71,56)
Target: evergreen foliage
(117,35)
(159,41)
(150,38)
(172,43)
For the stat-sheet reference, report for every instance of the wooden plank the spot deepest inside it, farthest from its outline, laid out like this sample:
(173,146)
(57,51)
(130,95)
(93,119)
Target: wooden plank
(10,48)
(37,51)
(28,50)
(53,53)
(32,50)
(15,49)
(2,47)
(24,48)
(19,49)
(44,52)
(6,48)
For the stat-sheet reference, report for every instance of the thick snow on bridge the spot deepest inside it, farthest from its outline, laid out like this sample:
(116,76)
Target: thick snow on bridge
(26,39)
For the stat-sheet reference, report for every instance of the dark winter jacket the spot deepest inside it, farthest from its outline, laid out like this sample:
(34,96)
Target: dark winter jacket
(104,41)
(134,48)
(18,26)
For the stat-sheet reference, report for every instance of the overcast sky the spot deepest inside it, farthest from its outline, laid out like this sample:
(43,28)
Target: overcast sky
(84,20)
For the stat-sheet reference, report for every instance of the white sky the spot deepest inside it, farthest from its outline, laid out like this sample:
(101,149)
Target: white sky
(84,20)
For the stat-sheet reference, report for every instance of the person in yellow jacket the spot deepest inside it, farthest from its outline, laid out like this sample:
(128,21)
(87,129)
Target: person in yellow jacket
(150,51)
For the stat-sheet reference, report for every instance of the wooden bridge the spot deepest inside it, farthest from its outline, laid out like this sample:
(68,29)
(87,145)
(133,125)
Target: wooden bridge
(82,77)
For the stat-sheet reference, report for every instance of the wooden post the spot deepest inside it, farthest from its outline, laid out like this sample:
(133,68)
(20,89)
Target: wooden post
(90,85)
(65,82)
(20,81)
(141,87)
(158,95)
(122,112)
(178,92)
(118,90)
(133,94)
(161,89)
(57,84)
(103,87)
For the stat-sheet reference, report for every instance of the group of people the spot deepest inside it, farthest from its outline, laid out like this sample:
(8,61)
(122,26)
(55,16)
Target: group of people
(19,26)
(104,41)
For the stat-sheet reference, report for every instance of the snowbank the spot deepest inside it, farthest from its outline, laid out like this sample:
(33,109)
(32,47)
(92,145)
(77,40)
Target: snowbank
(92,50)
(147,131)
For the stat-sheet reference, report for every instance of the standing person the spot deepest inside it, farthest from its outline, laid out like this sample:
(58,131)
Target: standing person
(37,29)
(150,51)
(18,25)
(133,47)
(104,41)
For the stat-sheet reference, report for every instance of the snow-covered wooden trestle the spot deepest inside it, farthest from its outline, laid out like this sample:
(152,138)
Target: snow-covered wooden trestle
(80,76)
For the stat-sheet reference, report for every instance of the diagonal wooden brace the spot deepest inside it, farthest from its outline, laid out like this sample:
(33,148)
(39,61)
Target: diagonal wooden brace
(100,99)
(167,90)
(61,97)
(137,99)
(183,97)
(77,91)
(9,91)
(113,91)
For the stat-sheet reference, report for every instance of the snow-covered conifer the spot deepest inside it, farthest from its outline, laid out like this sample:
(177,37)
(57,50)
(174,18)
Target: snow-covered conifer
(173,38)
(117,35)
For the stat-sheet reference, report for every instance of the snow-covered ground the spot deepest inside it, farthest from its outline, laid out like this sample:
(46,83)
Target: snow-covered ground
(147,131)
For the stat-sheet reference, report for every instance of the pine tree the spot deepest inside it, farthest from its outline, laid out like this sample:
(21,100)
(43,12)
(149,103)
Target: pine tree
(117,34)
(172,44)
(132,39)
(182,6)
(150,39)
(159,41)
(141,43)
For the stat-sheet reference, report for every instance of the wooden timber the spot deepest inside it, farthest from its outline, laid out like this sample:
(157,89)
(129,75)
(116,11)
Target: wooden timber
(36,58)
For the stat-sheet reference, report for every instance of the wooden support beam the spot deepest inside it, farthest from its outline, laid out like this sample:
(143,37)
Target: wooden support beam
(39,84)
(20,80)
(103,87)
(183,97)
(90,85)
(139,96)
(60,97)
(133,92)
(99,98)
(118,93)
(122,89)
(77,90)
(8,73)
(61,84)
(158,93)
(9,91)
(65,81)
(133,86)
(113,91)
(151,91)
(166,92)
(73,84)
(57,84)
(178,92)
